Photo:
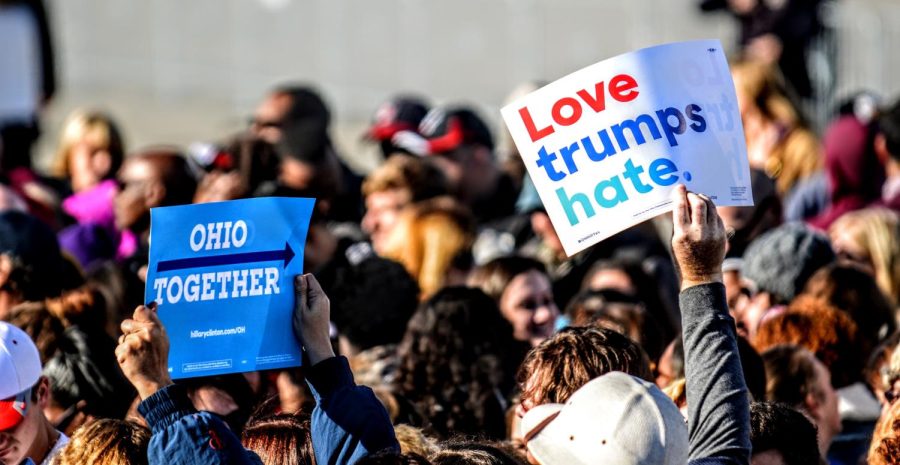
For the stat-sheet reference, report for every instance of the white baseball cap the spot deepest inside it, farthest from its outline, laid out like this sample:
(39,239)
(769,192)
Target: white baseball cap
(20,369)
(616,418)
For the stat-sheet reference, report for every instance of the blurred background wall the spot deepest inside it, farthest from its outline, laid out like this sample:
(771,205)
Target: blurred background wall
(179,71)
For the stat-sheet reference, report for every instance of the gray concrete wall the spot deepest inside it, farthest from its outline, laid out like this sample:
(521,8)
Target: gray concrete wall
(186,70)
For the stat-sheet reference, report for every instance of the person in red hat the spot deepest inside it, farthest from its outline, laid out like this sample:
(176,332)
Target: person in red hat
(26,436)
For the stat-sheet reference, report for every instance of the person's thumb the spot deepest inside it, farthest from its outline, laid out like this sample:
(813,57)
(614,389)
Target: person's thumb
(316,295)
(300,292)
(146,313)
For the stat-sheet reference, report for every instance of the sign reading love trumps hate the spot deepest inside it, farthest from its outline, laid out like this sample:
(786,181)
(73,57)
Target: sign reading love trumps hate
(222,277)
(605,145)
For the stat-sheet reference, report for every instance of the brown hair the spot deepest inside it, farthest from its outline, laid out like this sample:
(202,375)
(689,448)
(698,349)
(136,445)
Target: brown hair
(822,329)
(106,442)
(554,370)
(402,172)
(280,439)
(494,276)
(790,375)
(429,236)
(885,447)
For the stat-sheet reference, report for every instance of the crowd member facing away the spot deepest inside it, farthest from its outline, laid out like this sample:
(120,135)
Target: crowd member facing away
(619,418)
(524,294)
(107,442)
(782,435)
(432,240)
(887,147)
(29,257)
(454,364)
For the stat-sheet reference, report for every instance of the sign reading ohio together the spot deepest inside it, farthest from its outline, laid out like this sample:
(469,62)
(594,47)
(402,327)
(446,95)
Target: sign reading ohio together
(222,276)
(605,145)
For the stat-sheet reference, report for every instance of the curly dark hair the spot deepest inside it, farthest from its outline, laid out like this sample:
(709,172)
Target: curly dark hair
(574,356)
(459,452)
(778,427)
(452,363)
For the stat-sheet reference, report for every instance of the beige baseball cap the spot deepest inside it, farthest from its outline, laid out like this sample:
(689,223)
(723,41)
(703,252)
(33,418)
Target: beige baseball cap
(616,419)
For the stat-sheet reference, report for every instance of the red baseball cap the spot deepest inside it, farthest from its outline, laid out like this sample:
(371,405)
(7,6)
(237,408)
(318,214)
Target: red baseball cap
(12,411)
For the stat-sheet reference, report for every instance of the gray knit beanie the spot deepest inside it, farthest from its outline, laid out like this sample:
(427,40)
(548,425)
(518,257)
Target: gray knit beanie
(783,259)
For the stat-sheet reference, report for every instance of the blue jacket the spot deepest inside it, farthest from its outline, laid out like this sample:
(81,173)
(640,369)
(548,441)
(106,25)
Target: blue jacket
(348,423)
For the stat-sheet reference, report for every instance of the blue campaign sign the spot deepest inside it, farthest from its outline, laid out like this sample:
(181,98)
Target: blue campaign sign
(222,276)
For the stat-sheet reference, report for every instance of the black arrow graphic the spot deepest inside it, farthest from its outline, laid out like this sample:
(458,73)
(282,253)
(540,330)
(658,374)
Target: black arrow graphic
(249,257)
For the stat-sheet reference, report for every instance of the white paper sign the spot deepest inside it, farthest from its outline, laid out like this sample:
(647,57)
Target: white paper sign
(605,145)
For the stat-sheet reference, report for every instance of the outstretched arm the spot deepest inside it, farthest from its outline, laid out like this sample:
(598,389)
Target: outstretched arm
(348,422)
(181,434)
(717,396)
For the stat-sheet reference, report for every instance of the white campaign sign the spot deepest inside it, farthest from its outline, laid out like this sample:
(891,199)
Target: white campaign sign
(605,145)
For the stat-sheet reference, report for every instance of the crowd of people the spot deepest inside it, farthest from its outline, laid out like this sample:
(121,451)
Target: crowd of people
(440,318)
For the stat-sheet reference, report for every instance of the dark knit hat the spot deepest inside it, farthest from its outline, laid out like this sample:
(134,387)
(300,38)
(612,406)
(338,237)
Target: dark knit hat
(782,260)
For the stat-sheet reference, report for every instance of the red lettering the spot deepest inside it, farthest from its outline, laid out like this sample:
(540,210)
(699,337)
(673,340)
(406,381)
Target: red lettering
(566,120)
(623,88)
(536,134)
(597,101)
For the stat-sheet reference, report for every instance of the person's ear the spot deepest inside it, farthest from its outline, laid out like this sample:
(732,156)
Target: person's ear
(101,164)
(6,267)
(154,193)
(43,392)
(813,406)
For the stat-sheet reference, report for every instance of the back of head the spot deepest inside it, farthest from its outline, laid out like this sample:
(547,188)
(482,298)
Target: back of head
(429,237)
(561,365)
(823,330)
(107,442)
(790,374)
(853,291)
(885,447)
(616,419)
(452,362)
(33,251)
(373,284)
(777,428)
(306,105)
(280,440)
(448,129)
(782,260)
(474,453)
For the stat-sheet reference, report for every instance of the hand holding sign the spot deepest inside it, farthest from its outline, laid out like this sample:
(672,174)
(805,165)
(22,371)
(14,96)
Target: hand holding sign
(698,241)
(143,351)
(312,312)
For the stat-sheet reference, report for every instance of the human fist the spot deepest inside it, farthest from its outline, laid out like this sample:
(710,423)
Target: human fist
(312,311)
(143,351)
(698,242)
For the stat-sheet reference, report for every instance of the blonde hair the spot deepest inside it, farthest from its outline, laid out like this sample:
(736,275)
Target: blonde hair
(798,153)
(93,126)
(877,230)
(428,237)
(106,442)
